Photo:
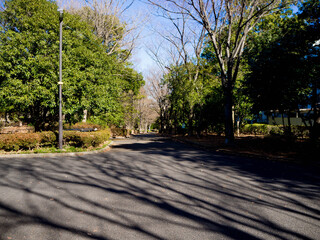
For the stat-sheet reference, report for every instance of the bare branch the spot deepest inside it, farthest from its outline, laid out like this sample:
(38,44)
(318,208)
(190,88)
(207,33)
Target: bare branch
(106,17)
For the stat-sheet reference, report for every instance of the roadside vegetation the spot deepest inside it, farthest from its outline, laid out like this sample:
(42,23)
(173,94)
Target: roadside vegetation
(262,141)
(100,85)
(277,74)
(224,84)
(37,140)
(226,70)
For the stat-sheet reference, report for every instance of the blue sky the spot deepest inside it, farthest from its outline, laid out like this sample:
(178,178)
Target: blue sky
(150,37)
(140,13)
(141,60)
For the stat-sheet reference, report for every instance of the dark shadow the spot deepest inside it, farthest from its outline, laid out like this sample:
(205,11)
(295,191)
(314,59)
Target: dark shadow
(153,188)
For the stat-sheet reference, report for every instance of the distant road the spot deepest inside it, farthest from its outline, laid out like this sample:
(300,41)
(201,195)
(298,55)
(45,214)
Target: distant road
(147,187)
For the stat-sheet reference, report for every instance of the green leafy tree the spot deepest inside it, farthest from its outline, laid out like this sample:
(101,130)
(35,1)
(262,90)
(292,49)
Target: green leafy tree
(227,24)
(310,14)
(282,61)
(93,80)
(28,53)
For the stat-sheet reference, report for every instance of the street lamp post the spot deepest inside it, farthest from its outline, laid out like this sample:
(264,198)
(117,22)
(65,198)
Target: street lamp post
(60,81)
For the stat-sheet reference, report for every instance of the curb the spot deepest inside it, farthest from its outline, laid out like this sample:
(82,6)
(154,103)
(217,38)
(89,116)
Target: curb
(43,155)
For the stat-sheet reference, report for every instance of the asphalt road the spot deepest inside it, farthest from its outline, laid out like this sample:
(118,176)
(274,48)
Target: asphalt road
(151,188)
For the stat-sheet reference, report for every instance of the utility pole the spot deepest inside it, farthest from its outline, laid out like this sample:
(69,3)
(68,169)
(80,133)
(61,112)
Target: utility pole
(60,81)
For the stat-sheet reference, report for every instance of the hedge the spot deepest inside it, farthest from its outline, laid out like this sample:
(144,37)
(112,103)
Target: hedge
(16,141)
(82,125)
(120,132)
(86,139)
(27,141)
(256,128)
(48,138)
(266,129)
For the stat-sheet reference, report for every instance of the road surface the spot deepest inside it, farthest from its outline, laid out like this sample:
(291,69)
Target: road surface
(151,188)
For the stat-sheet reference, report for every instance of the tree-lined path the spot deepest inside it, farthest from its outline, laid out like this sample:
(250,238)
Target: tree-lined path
(152,188)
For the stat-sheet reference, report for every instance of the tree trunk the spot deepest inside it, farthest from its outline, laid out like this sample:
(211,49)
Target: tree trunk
(6,117)
(238,127)
(289,124)
(190,123)
(229,135)
(315,128)
(161,130)
(282,117)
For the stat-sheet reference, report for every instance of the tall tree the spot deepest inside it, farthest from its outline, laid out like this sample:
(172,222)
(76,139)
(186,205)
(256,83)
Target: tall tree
(283,61)
(310,14)
(184,45)
(227,24)
(29,59)
(146,111)
(159,91)
(93,80)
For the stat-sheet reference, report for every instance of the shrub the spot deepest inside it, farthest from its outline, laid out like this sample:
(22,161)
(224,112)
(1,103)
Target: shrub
(256,128)
(218,129)
(120,132)
(24,141)
(48,138)
(300,131)
(83,125)
(27,141)
(275,130)
(86,139)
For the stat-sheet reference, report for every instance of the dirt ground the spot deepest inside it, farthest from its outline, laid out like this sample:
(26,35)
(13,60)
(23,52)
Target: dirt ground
(267,147)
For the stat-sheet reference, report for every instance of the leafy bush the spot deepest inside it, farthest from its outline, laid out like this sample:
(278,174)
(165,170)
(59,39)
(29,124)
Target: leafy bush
(86,139)
(24,141)
(83,125)
(120,132)
(300,131)
(218,129)
(27,141)
(275,130)
(256,128)
(48,138)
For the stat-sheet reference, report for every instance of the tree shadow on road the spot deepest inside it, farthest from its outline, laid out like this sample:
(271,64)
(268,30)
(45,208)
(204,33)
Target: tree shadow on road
(157,190)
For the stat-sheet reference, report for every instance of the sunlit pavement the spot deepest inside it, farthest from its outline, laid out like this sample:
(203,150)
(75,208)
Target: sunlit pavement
(152,188)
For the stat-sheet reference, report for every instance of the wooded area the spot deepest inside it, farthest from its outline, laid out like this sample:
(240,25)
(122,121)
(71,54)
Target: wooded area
(99,83)
(257,56)
(221,64)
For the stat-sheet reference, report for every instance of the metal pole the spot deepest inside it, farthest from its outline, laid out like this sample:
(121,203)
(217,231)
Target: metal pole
(60,82)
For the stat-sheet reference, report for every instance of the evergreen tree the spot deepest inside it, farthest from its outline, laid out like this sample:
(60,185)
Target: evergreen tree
(29,54)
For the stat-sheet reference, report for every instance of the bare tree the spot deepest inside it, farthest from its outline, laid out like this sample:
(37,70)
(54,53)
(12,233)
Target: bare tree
(106,17)
(139,110)
(182,41)
(159,91)
(227,24)
(146,111)
(189,45)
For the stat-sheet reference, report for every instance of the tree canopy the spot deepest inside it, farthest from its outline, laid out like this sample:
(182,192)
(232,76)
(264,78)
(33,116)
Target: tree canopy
(284,62)
(29,49)
(268,63)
